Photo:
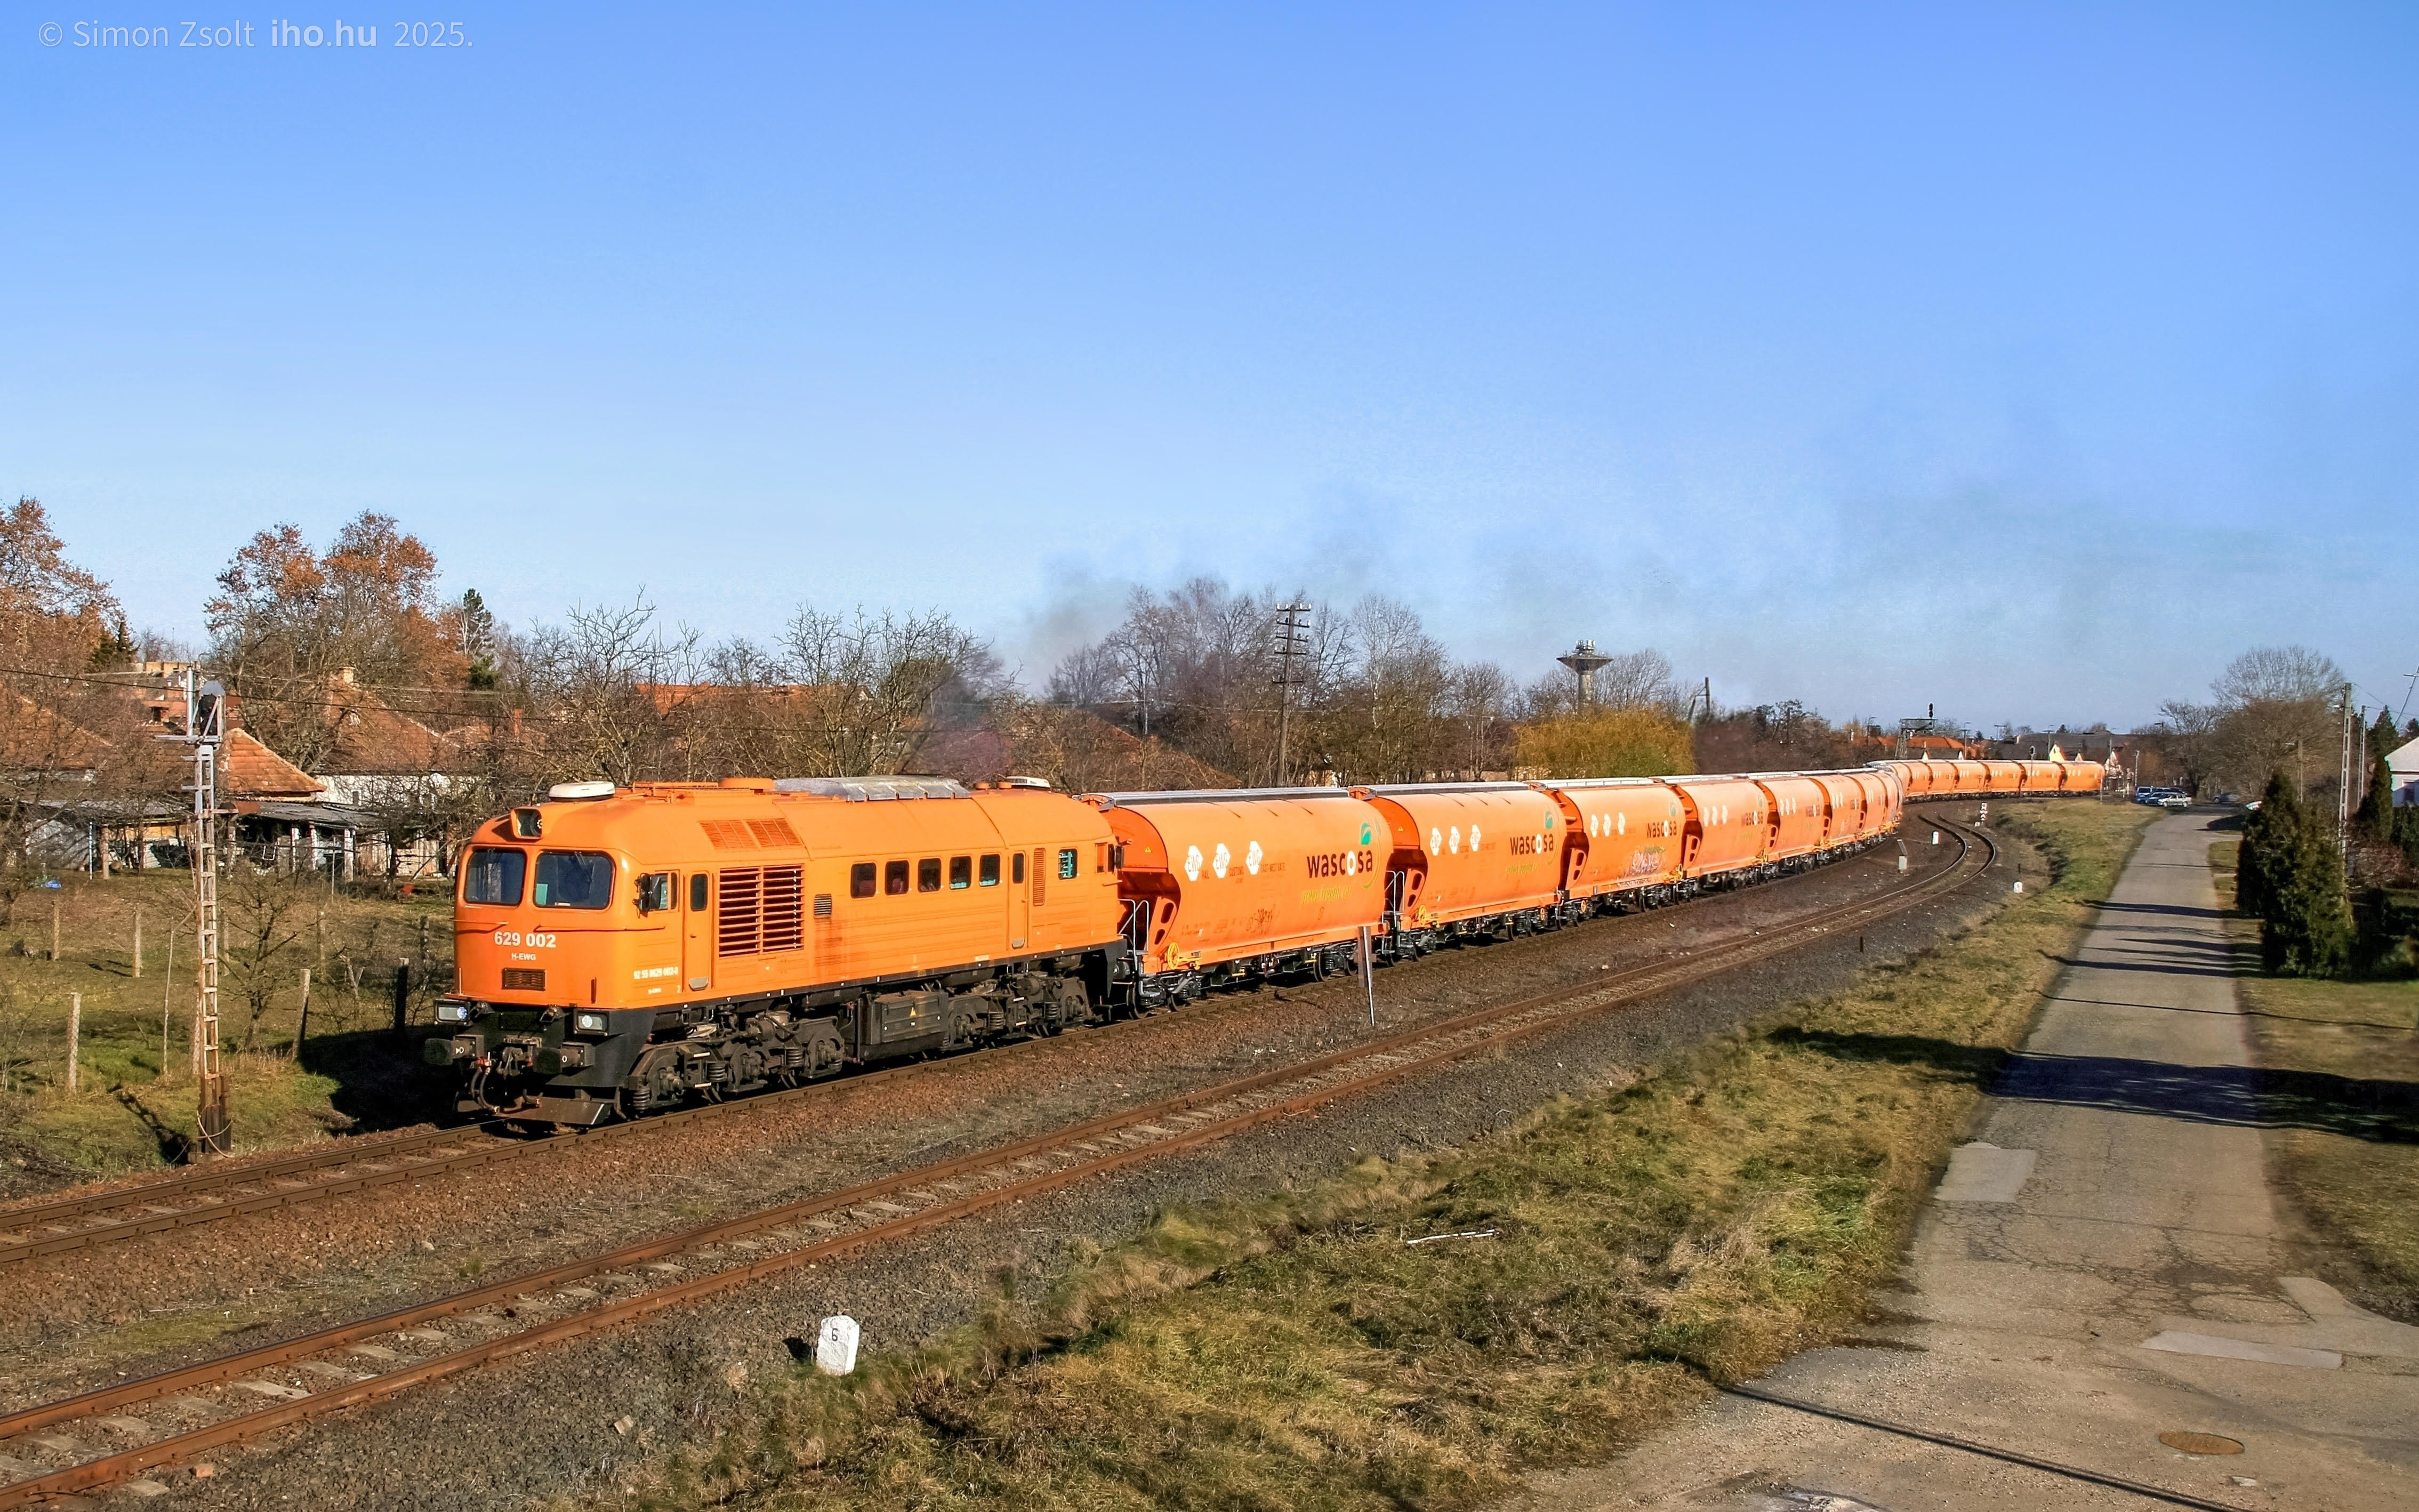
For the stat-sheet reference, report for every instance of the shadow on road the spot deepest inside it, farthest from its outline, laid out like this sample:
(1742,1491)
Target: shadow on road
(2381,1112)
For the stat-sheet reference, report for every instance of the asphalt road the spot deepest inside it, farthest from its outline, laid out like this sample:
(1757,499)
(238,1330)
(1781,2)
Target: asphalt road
(2104,1264)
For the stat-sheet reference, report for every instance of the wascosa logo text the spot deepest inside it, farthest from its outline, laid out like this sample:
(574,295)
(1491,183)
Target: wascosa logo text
(1339,863)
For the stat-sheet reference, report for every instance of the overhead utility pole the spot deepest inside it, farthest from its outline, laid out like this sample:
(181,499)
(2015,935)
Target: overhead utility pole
(1700,703)
(1292,637)
(2343,783)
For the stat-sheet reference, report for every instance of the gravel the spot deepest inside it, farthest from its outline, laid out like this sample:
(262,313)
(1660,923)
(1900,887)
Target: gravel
(547,1424)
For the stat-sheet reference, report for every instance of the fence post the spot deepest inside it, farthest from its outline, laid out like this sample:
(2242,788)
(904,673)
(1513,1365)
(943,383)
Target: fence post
(167,991)
(303,1021)
(138,942)
(402,993)
(75,1032)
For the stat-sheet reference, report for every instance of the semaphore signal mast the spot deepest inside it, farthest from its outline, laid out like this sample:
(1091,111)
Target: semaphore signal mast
(205,726)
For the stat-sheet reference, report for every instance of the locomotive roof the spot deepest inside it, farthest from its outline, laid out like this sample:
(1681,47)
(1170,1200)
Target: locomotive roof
(874,789)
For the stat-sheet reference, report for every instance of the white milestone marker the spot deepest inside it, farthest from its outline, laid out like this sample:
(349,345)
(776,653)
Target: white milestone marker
(836,1346)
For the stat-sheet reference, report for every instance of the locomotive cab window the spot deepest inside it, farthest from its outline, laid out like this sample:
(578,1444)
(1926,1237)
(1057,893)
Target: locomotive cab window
(696,891)
(494,876)
(894,878)
(962,871)
(574,879)
(988,875)
(928,874)
(1066,864)
(860,880)
(1016,870)
(655,892)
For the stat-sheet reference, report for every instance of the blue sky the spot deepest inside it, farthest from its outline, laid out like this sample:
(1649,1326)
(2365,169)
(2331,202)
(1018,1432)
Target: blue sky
(2031,362)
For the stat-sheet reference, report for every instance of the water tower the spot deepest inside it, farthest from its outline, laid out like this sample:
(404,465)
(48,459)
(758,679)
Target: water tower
(1584,659)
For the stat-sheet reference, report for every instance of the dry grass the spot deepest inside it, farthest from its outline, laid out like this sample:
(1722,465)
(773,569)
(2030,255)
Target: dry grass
(2354,1172)
(1294,1351)
(133,1103)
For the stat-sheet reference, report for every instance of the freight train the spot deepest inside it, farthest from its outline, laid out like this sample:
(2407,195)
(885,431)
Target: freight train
(621,950)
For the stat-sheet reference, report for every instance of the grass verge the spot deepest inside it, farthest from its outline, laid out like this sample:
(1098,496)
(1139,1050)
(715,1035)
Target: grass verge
(2342,1058)
(121,949)
(1728,1209)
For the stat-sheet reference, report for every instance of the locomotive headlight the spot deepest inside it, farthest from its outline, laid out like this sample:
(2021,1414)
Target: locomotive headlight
(454,1012)
(587,1022)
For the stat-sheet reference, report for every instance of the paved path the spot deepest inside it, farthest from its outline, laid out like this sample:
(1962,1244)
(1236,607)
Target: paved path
(2101,1266)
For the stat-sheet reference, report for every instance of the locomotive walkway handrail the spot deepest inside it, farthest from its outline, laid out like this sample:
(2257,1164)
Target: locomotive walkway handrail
(1093,1148)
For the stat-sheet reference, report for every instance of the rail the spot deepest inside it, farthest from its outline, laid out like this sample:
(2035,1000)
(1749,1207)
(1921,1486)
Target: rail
(546,1308)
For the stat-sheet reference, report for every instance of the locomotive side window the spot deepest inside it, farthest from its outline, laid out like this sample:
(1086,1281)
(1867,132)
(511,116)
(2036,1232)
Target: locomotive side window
(962,871)
(655,892)
(860,880)
(894,878)
(574,879)
(494,876)
(1016,872)
(697,887)
(1066,864)
(988,877)
(928,874)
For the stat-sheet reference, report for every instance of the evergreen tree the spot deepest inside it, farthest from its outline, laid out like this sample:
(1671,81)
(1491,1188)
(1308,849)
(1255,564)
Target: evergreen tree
(2306,929)
(2382,736)
(478,641)
(2279,815)
(2375,816)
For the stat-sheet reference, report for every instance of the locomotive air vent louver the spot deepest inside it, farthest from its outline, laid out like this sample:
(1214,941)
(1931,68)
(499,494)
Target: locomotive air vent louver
(770,832)
(784,891)
(737,930)
(522,979)
(729,834)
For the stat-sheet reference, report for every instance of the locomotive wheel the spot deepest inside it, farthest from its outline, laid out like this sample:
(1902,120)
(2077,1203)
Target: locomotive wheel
(664,1081)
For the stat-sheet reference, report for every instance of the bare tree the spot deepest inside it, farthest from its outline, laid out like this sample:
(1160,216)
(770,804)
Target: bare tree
(287,620)
(266,914)
(2277,674)
(2275,711)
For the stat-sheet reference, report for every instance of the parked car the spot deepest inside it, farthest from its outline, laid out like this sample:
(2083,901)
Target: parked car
(2174,800)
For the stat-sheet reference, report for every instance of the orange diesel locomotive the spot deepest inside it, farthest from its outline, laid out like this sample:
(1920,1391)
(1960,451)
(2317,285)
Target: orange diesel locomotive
(622,950)
(631,947)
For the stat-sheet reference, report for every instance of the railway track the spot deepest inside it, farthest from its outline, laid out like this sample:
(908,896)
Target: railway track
(215,1193)
(256,1392)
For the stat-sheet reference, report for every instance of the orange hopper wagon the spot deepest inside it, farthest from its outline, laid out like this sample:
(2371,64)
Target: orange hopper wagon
(1222,885)
(1626,837)
(1470,859)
